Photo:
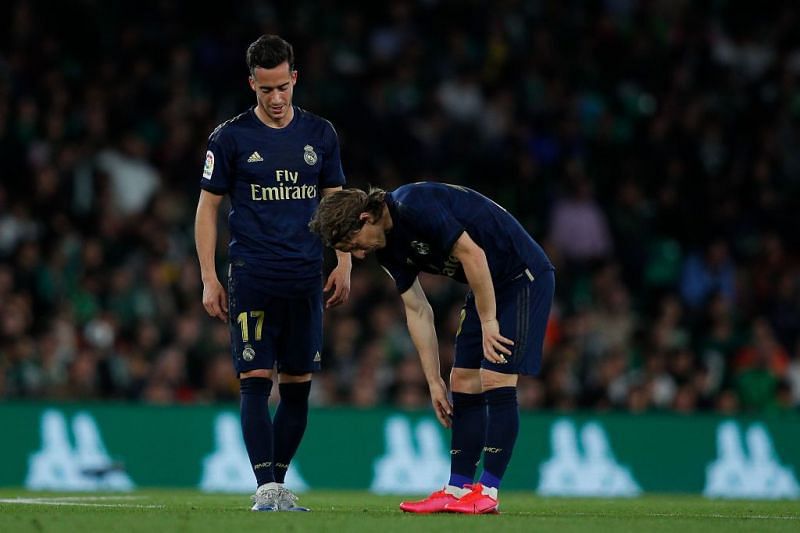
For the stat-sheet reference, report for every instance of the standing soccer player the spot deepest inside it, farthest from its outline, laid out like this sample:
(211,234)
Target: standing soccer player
(274,161)
(456,232)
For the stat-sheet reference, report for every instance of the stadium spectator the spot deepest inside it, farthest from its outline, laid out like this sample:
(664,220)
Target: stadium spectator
(681,117)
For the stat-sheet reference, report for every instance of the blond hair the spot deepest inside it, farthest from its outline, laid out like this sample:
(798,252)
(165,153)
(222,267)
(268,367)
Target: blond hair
(338,214)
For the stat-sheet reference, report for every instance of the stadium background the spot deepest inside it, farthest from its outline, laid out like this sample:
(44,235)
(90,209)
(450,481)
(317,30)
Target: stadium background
(652,147)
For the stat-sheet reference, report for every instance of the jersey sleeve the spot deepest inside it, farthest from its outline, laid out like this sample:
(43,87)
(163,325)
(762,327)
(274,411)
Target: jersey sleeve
(218,167)
(332,174)
(403,275)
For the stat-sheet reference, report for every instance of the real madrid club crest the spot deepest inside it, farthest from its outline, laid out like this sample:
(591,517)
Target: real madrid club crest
(309,155)
(248,354)
(421,248)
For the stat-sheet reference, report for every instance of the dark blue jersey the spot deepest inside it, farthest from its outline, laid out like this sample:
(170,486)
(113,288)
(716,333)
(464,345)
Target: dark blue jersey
(428,218)
(274,177)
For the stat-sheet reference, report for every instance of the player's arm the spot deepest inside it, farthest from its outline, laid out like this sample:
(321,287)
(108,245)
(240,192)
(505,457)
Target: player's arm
(205,236)
(476,268)
(339,278)
(419,317)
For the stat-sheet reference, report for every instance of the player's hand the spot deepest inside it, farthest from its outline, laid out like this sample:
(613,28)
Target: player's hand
(215,300)
(495,346)
(339,281)
(441,405)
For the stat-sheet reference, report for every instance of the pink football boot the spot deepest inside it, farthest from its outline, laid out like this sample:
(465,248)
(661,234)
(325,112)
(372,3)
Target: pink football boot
(435,503)
(476,502)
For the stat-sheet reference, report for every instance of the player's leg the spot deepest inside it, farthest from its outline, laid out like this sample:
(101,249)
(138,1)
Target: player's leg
(291,419)
(253,358)
(469,405)
(502,428)
(468,431)
(255,387)
(300,356)
(523,309)
(500,433)
(468,420)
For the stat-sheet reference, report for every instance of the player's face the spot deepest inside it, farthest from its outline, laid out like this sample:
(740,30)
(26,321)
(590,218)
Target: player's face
(274,88)
(369,238)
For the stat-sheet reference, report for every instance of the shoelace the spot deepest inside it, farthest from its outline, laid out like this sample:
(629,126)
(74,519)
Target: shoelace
(287,496)
(267,496)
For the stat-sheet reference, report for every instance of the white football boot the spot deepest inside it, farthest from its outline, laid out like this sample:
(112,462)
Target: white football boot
(266,497)
(287,501)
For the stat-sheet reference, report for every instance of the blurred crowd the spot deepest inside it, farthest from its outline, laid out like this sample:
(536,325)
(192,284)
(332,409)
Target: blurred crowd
(652,147)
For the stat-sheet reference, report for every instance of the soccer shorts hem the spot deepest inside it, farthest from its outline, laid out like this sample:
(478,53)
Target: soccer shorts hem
(523,307)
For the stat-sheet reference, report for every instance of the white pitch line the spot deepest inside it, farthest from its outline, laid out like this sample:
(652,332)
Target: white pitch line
(71,502)
(88,498)
(732,517)
(669,515)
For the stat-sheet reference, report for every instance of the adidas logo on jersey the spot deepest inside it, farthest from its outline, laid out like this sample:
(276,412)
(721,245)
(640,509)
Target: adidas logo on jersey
(317,358)
(255,157)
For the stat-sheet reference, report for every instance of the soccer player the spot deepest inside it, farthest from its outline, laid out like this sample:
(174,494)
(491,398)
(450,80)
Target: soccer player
(456,232)
(274,161)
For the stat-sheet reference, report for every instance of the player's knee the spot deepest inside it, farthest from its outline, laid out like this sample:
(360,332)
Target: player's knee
(257,373)
(494,380)
(295,394)
(465,380)
(255,386)
(284,377)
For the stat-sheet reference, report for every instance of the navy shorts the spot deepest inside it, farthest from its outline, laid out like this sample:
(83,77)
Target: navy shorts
(270,326)
(523,307)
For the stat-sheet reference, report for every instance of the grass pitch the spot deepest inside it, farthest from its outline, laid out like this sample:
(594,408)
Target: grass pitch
(344,512)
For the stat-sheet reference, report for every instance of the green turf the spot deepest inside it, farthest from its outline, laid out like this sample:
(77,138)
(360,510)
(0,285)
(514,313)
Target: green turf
(345,512)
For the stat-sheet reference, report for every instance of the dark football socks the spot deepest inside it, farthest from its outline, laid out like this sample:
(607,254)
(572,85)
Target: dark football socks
(501,434)
(468,435)
(257,426)
(290,424)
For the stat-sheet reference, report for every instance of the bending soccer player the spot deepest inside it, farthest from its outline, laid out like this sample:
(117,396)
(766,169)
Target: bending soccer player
(273,161)
(456,232)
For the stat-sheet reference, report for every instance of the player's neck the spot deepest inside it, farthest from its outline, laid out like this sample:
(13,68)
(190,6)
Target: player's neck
(386,219)
(285,121)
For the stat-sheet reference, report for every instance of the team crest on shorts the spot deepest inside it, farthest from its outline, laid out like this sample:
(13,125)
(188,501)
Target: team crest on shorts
(309,155)
(421,248)
(248,354)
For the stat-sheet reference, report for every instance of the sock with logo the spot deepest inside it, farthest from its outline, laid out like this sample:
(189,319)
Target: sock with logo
(501,434)
(257,426)
(467,437)
(290,424)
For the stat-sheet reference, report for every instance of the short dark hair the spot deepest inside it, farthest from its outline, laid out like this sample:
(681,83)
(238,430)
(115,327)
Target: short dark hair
(269,51)
(337,216)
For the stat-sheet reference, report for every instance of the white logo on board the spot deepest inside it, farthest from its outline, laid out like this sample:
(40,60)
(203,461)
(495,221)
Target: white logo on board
(590,470)
(417,463)
(86,466)
(754,473)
